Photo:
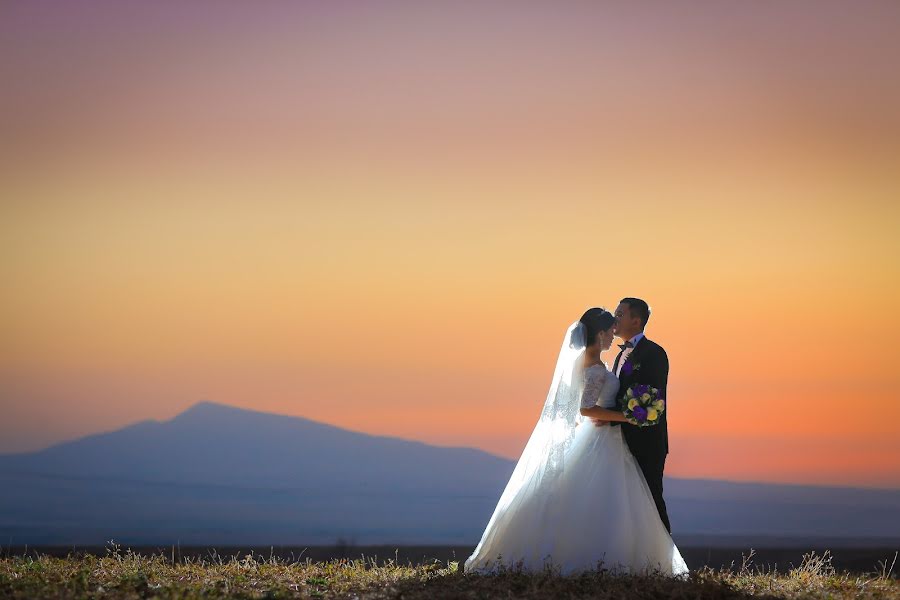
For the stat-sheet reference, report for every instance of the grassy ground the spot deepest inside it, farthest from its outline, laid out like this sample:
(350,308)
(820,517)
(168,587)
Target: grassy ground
(125,574)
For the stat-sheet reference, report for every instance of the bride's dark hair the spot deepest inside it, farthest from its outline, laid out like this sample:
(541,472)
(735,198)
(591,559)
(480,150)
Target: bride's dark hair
(596,320)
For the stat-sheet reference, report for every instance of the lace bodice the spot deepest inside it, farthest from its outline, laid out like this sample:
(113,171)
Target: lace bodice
(600,387)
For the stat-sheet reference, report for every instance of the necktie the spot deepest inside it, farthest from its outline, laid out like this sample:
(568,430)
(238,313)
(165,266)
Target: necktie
(625,345)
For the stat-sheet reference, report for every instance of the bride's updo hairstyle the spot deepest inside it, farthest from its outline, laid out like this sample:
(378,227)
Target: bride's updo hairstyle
(596,320)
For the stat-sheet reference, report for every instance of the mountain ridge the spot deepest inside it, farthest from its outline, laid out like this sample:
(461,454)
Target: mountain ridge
(218,474)
(207,408)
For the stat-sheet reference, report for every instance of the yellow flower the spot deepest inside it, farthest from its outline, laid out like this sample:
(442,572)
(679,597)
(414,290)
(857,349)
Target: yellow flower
(632,403)
(659,405)
(652,414)
(645,397)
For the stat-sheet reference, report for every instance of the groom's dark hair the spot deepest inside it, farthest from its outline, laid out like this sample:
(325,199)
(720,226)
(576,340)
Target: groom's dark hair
(639,308)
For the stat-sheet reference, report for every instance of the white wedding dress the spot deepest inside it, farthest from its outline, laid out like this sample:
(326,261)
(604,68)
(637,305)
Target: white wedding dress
(590,506)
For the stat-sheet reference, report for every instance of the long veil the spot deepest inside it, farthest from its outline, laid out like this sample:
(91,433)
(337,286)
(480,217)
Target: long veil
(543,459)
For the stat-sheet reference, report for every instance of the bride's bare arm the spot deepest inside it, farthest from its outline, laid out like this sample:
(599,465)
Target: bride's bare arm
(603,414)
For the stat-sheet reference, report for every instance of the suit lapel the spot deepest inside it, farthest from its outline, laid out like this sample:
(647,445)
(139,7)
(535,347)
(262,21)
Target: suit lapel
(616,362)
(635,356)
(638,351)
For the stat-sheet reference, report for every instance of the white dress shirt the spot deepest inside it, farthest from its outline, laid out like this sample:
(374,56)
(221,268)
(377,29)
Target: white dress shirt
(625,353)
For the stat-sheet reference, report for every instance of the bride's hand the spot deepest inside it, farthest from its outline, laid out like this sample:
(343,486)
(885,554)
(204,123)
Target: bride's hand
(600,423)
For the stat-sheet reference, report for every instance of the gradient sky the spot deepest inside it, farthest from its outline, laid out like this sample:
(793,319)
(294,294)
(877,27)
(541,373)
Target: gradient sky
(384,215)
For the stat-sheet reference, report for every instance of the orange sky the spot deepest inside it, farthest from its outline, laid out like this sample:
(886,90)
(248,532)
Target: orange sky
(384,217)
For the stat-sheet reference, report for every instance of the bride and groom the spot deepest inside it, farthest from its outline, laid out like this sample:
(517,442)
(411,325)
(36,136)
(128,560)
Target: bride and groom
(587,491)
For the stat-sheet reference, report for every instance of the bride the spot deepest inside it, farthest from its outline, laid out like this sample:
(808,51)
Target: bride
(577,499)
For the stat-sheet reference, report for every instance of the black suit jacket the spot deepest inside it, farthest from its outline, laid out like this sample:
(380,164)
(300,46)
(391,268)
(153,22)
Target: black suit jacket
(650,365)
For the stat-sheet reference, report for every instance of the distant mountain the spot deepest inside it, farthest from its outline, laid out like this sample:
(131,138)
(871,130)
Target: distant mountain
(217,474)
(216,444)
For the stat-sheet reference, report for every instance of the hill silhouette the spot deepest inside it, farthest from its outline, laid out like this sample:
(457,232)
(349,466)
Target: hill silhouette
(218,474)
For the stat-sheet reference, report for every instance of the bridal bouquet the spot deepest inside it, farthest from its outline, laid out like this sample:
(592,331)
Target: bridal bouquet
(643,406)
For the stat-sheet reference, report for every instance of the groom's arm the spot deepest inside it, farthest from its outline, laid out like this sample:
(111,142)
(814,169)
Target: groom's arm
(658,374)
(654,369)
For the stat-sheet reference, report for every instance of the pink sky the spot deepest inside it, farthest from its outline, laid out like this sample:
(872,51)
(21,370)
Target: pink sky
(384,215)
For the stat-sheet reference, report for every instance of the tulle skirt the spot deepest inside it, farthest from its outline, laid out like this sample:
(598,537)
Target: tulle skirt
(599,514)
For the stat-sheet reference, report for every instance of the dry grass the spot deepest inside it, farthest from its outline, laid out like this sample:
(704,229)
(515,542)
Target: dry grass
(125,574)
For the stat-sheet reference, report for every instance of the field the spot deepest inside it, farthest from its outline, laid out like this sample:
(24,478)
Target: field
(121,574)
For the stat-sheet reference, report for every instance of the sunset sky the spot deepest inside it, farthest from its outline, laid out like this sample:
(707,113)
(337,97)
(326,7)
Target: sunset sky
(384,215)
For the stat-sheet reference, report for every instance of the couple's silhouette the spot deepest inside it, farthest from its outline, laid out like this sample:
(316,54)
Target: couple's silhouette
(587,491)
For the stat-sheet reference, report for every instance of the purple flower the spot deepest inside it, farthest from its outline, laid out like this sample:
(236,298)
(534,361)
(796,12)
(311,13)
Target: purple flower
(627,368)
(640,413)
(640,390)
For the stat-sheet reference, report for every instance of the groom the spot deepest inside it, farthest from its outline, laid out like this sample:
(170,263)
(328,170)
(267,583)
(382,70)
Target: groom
(642,361)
